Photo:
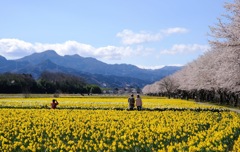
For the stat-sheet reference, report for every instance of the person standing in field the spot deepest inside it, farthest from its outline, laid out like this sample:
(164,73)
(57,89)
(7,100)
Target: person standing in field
(54,104)
(139,102)
(131,102)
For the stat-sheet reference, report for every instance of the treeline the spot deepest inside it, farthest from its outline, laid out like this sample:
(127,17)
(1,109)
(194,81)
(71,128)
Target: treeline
(214,76)
(48,82)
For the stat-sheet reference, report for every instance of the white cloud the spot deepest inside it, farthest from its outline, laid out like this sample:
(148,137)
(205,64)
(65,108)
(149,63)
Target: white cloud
(150,67)
(185,49)
(66,48)
(174,30)
(113,52)
(129,37)
(157,67)
(14,48)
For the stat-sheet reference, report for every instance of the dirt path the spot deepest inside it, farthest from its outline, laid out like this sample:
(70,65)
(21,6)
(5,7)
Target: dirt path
(209,104)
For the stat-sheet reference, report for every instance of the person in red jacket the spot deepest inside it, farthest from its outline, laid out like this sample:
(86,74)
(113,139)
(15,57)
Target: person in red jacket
(54,104)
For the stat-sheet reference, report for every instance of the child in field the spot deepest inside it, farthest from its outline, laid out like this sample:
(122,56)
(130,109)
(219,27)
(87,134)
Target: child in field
(54,104)
(139,103)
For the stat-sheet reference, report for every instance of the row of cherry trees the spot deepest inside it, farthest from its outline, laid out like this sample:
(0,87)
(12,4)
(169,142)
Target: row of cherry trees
(214,76)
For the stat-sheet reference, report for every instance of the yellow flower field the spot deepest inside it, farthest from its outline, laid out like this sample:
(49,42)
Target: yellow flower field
(99,102)
(115,130)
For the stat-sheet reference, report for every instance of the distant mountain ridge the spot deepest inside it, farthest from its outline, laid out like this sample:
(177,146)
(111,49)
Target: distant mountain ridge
(91,69)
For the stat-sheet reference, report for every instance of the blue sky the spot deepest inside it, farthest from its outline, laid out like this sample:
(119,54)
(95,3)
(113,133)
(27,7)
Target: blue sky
(148,34)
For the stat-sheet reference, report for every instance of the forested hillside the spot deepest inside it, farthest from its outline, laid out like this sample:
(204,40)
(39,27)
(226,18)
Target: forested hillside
(214,76)
(48,82)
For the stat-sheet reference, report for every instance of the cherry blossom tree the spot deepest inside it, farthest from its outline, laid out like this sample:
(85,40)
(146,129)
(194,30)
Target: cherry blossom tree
(216,74)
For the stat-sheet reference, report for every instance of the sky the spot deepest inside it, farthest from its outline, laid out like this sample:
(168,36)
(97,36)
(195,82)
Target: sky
(147,33)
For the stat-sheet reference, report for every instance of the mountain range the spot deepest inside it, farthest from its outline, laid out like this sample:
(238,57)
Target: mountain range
(91,69)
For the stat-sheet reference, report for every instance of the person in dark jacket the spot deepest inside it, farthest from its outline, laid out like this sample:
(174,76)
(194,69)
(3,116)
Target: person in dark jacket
(131,102)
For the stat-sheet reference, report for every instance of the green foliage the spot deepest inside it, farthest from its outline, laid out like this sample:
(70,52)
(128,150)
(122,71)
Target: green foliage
(60,82)
(93,89)
(47,83)
(17,83)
